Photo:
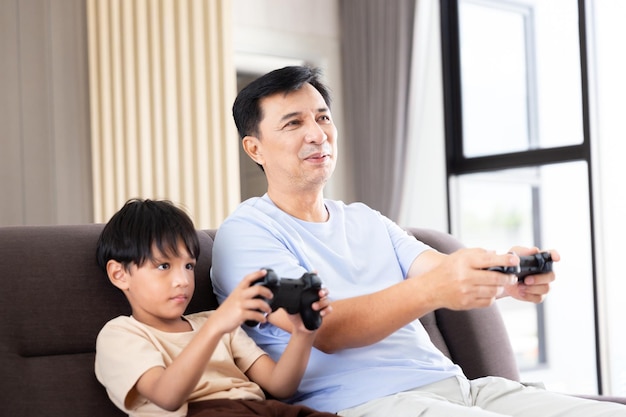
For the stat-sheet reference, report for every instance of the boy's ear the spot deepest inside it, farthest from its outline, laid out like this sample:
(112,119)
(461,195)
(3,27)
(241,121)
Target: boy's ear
(117,274)
(251,145)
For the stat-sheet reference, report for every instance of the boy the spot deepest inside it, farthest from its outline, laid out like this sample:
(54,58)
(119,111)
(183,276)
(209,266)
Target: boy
(161,362)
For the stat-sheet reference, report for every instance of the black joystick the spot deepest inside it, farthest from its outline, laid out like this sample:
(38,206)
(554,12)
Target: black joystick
(294,295)
(538,263)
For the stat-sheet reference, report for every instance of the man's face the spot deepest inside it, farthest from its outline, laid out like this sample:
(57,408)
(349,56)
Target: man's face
(297,141)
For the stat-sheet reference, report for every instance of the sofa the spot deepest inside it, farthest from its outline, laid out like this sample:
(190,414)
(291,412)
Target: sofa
(55,299)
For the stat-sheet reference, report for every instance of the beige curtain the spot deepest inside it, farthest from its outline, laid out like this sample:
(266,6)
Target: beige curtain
(162,82)
(377,40)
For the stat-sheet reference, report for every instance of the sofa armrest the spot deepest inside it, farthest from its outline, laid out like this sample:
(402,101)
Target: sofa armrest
(476,340)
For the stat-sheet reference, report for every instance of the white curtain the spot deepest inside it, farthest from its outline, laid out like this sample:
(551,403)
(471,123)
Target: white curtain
(425,195)
(162,82)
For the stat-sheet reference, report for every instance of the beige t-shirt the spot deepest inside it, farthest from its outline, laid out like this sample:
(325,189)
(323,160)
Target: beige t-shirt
(126,349)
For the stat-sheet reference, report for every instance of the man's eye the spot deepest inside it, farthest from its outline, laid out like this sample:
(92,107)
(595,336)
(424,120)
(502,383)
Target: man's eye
(324,120)
(292,123)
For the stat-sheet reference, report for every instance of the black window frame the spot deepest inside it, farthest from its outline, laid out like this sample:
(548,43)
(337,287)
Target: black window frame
(458,164)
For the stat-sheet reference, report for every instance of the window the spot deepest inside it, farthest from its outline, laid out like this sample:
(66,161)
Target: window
(518,161)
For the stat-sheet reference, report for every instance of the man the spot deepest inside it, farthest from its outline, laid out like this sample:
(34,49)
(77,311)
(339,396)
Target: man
(372,355)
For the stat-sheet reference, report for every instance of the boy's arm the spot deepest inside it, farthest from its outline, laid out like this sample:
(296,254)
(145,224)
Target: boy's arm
(281,379)
(170,387)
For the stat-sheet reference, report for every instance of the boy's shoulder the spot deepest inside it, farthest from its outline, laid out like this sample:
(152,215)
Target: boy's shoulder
(130,324)
(120,321)
(121,325)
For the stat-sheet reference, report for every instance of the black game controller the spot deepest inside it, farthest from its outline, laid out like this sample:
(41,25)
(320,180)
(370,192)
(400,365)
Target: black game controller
(538,263)
(294,295)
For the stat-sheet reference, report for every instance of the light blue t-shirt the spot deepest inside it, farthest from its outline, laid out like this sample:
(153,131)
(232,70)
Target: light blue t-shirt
(357,251)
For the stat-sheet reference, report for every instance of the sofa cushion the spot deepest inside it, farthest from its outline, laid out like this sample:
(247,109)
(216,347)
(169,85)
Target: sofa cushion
(59,297)
(56,300)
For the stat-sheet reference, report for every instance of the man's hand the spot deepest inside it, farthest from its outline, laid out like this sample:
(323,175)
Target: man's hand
(534,287)
(461,281)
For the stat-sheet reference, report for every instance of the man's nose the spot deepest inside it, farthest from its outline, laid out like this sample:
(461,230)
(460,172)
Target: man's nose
(315,133)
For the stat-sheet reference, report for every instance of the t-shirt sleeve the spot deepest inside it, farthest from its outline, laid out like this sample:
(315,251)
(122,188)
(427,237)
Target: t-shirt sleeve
(407,247)
(123,354)
(245,350)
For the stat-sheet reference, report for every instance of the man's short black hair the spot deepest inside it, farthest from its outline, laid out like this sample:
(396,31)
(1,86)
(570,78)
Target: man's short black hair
(247,110)
(130,234)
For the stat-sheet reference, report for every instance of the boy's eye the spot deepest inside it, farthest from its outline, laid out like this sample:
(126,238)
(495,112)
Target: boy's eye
(163,267)
(190,266)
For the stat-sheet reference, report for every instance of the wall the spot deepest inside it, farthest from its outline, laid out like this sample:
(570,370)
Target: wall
(45,163)
(271,33)
(45,173)
(608,88)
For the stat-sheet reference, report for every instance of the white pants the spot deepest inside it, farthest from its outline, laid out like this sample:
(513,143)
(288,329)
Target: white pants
(482,397)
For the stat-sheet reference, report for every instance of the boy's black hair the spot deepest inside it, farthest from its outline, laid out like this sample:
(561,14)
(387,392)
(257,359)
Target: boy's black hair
(130,234)
(246,108)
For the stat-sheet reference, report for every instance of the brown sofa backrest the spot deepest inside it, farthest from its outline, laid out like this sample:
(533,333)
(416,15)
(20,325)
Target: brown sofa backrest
(55,299)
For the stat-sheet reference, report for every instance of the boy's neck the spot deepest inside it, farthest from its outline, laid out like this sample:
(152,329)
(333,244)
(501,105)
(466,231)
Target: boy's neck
(180,325)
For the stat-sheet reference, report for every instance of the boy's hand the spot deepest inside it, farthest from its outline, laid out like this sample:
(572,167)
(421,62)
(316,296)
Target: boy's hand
(246,302)
(322,305)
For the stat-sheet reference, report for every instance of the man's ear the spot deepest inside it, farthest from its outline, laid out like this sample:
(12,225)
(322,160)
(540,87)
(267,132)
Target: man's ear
(117,274)
(252,146)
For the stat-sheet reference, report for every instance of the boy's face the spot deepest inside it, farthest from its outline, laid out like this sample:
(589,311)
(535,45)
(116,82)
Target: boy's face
(160,289)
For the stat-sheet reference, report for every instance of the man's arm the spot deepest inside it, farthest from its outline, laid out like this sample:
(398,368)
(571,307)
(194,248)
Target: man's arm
(458,281)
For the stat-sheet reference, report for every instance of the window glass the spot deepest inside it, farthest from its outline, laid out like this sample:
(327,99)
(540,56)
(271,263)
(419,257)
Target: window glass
(548,207)
(520,75)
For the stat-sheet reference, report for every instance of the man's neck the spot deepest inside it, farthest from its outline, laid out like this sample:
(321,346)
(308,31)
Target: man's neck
(307,207)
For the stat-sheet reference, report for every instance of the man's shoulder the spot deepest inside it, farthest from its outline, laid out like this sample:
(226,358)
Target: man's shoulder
(251,210)
(257,216)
